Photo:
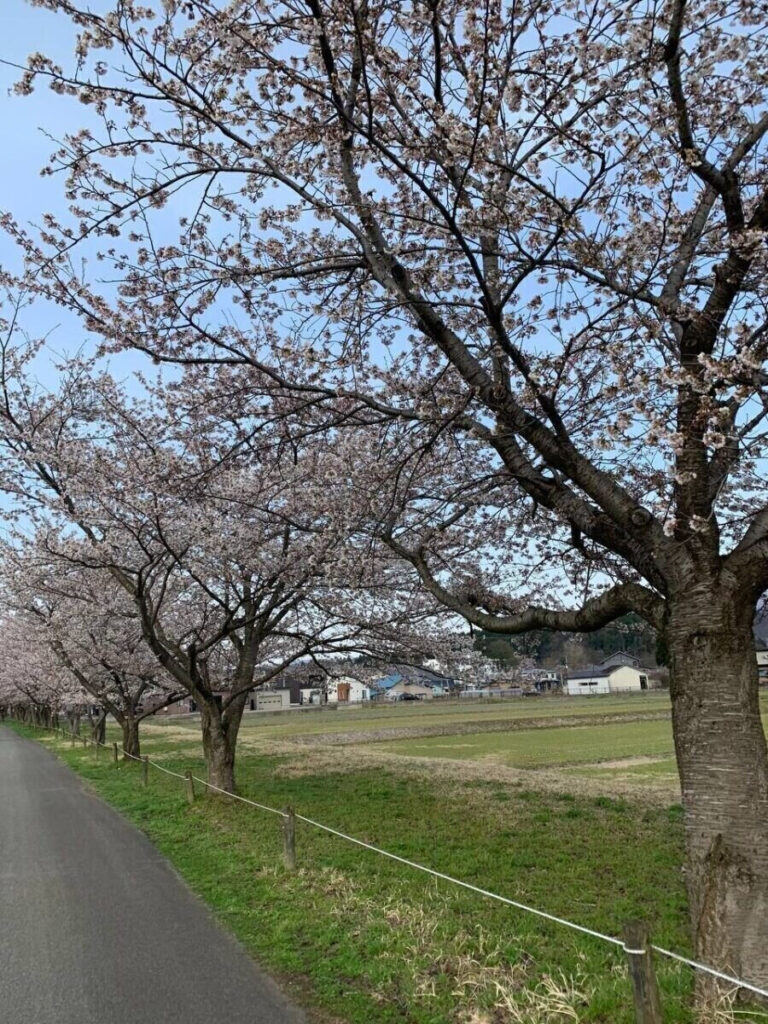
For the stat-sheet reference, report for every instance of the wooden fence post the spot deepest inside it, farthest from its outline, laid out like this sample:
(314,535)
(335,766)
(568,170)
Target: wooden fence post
(72,739)
(114,752)
(189,785)
(289,839)
(85,742)
(145,770)
(637,946)
(97,749)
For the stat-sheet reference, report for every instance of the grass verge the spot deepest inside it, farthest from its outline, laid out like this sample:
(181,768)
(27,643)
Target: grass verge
(366,940)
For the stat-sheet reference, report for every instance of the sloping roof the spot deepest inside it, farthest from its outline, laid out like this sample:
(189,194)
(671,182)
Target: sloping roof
(592,672)
(601,671)
(422,675)
(388,681)
(631,659)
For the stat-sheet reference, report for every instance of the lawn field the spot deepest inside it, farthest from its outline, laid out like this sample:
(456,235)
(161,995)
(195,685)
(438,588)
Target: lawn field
(568,806)
(540,748)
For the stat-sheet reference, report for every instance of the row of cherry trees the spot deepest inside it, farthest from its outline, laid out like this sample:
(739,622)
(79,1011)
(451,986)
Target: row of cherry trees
(166,546)
(509,260)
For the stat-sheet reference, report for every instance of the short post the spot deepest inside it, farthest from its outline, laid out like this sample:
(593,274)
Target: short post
(97,749)
(85,742)
(637,946)
(114,752)
(289,839)
(145,770)
(189,785)
(72,739)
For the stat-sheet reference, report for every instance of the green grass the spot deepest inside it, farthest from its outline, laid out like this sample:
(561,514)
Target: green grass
(364,939)
(537,748)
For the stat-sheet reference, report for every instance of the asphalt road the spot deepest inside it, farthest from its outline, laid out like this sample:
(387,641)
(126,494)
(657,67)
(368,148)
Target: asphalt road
(95,927)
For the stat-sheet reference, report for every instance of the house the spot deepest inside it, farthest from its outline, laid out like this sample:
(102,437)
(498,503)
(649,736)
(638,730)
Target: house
(761,653)
(312,695)
(409,687)
(185,706)
(396,685)
(381,687)
(608,677)
(347,690)
(621,658)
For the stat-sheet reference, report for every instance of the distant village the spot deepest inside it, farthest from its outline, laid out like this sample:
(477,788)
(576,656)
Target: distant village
(353,682)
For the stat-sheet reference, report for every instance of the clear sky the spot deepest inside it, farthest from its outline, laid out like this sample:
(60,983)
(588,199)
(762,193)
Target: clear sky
(25,120)
(29,126)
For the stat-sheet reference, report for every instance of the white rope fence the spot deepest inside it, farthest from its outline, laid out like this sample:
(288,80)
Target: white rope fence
(154,764)
(695,965)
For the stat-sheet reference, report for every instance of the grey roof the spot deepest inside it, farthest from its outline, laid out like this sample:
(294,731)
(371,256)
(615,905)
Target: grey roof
(601,671)
(591,672)
(620,654)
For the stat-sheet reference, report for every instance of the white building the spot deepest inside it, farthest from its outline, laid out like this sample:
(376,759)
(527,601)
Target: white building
(347,690)
(606,678)
(270,700)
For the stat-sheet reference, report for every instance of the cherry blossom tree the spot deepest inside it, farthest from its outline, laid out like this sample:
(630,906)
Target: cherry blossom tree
(528,239)
(229,557)
(34,686)
(92,629)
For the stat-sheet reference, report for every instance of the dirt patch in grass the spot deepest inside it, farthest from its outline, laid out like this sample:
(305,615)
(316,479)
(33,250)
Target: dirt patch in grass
(631,762)
(170,733)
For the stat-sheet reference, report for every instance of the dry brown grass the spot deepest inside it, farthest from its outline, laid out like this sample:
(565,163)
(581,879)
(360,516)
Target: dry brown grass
(320,759)
(486,989)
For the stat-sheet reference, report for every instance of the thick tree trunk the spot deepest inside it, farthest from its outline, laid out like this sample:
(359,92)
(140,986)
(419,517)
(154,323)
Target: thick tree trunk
(723,762)
(220,729)
(131,745)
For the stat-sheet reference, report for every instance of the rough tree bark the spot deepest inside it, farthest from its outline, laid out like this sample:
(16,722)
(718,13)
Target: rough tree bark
(131,745)
(723,763)
(220,728)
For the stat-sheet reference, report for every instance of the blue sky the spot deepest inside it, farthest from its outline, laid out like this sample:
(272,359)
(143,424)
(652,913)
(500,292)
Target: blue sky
(28,127)
(23,120)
